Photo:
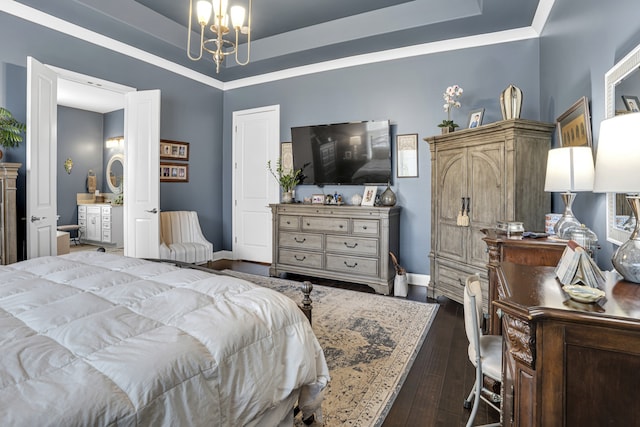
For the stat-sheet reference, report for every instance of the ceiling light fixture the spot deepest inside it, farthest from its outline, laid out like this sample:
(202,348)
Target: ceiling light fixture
(217,46)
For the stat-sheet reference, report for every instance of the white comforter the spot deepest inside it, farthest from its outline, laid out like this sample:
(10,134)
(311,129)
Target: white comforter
(97,339)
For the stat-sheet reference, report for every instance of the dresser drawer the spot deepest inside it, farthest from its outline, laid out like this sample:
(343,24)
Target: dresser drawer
(352,245)
(106,224)
(289,222)
(300,258)
(106,236)
(306,241)
(366,226)
(93,210)
(354,265)
(106,210)
(310,223)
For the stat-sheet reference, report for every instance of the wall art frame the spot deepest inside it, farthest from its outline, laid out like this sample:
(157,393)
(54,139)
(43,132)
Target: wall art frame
(407,155)
(574,125)
(174,150)
(174,172)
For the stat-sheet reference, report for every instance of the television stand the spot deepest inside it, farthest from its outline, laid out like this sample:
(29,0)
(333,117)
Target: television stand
(345,243)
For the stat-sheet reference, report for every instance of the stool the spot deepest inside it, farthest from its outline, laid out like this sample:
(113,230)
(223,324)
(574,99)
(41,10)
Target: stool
(72,228)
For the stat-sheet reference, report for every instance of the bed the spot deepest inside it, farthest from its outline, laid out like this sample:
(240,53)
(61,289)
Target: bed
(98,339)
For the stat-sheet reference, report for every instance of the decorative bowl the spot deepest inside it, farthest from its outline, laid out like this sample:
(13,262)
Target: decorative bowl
(583,293)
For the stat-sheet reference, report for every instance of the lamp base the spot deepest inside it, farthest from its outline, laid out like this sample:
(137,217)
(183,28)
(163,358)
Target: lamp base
(568,220)
(626,259)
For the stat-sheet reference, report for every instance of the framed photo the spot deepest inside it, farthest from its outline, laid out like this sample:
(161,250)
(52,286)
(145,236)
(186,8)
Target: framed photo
(174,172)
(286,157)
(174,150)
(369,196)
(632,103)
(317,199)
(574,125)
(407,155)
(475,118)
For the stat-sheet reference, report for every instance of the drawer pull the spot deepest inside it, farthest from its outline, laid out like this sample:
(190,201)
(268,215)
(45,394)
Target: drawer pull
(351,266)
(352,246)
(288,222)
(300,241)
(300,259)
(364,227)
(341,226)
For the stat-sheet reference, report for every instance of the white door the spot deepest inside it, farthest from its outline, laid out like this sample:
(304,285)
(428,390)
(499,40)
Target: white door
(142,174)
(42,128)
(256,139)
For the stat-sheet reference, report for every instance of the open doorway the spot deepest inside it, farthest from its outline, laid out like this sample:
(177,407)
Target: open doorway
(142,136)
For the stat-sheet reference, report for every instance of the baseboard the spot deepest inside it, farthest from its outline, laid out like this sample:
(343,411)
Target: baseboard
(418,279)
(222,255)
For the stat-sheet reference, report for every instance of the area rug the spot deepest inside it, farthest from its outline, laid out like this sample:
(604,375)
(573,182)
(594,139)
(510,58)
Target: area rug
(370,342)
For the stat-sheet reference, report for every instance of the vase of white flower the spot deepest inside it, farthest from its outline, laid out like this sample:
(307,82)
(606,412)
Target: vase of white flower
(450,97)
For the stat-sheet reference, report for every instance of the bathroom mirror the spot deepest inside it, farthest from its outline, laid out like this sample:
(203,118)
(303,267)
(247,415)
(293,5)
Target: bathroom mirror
(115,173)
(622,79)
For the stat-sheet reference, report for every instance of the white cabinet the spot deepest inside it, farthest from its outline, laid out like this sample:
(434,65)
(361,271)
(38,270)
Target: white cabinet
(101,223)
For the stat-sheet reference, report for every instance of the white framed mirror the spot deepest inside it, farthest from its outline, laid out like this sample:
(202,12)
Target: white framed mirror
(115,173)
(622,79)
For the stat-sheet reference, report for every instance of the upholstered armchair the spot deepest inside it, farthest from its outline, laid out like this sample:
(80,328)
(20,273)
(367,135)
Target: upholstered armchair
(181,238)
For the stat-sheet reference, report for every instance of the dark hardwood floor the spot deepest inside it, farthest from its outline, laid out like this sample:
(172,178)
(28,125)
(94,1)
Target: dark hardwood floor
(441,376)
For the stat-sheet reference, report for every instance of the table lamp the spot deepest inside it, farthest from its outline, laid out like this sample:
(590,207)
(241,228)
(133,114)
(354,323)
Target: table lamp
(618,171)
(569,169)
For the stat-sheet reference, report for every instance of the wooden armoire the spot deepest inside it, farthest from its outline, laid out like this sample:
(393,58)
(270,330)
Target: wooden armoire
(8,227)
(499,168)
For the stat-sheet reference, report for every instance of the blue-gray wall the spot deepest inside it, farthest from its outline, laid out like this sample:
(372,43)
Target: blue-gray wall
(581,41)
(409,93)
(190,111)
(80,138)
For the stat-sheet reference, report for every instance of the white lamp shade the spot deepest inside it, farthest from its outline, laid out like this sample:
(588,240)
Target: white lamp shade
(204,11)
(569,169)
(618,158)
(237,16)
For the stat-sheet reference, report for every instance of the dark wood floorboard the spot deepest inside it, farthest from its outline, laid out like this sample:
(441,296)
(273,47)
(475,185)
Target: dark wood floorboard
(441,376)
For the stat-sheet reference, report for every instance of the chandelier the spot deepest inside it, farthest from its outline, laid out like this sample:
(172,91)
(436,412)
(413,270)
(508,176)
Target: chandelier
(217,45)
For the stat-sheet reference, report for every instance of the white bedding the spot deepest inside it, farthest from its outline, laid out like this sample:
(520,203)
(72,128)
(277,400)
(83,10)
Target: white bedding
(97,339)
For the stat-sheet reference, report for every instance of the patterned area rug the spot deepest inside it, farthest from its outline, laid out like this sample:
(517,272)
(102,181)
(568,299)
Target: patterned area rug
(369,341)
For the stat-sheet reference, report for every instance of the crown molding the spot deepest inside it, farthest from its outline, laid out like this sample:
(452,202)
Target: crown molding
(40,18)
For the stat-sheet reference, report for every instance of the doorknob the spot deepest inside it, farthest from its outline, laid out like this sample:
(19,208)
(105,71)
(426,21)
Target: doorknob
(153,211)
(37,218)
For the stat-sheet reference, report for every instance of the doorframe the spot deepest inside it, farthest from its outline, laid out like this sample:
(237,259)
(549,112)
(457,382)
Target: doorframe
(89,82)
(274,147)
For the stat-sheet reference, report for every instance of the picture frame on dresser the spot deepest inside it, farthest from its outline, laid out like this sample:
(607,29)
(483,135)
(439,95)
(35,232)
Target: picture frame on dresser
(369,195)
(574,125)
(475,118)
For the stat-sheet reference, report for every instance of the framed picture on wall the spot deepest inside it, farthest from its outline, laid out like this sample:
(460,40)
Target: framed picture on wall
(407,155)
(286,157)
(632,103)
(174,150)
(574,125)
(174,172)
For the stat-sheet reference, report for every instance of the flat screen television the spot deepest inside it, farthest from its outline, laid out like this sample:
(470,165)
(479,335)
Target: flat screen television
(343,153)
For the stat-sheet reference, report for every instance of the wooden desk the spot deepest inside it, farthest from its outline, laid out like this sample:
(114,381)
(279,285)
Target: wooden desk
(566,363)
(520,251)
